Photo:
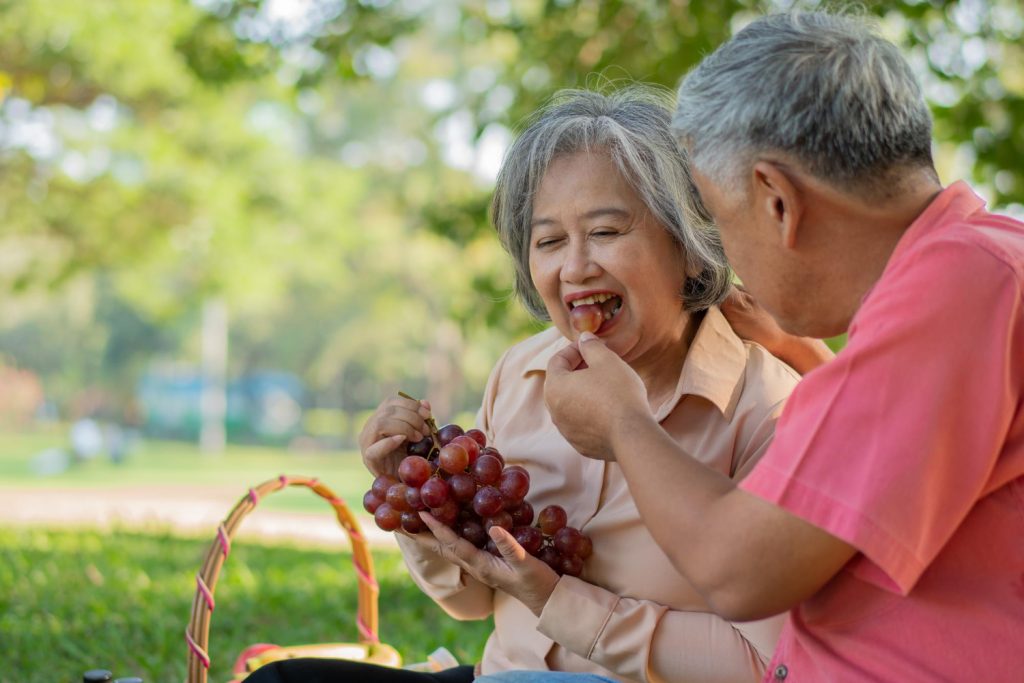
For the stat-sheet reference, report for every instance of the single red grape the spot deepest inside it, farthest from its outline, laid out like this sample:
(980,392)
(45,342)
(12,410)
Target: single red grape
(448,433)
(586,548)
(586,317)
(414,470)
(412,498)
(523,514)
(462,487)
(381,485)
(487,470)
(412,523)
(477,436)
(453,458)
(568,541)
(434,493)
(371,502)
(471,446)
(571,565)
(519,468)
(551,519)
(488,501)
(502,519)
(396,498)
(447,514)
(488,450)
(514,484)
(529,537)
(550,557)
(421,448)
(473,531)
(387,518)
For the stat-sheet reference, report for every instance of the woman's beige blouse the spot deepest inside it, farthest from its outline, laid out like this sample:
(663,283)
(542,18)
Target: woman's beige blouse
(629,616)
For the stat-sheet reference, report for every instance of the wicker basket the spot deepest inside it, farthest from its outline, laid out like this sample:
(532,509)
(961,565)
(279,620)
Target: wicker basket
(369,648)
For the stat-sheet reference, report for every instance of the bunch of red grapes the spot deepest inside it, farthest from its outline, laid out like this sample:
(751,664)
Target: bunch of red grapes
(465,484)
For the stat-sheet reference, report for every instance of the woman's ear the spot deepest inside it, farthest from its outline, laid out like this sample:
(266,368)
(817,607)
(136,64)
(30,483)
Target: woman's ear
(777,200)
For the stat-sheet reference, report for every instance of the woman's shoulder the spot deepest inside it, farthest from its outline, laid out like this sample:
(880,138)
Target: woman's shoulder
(533,353)
(762,364)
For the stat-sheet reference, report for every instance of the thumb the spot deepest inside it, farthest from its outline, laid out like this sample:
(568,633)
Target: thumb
(507,545)
(592,349)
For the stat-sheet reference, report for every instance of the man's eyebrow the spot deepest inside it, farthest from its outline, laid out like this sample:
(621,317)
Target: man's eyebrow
(613,211)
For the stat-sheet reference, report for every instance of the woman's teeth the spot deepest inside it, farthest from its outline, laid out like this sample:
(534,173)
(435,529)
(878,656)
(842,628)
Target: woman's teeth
(592,299)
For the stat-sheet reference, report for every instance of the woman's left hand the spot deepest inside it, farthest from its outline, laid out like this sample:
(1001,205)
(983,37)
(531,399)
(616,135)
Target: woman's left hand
(516,572)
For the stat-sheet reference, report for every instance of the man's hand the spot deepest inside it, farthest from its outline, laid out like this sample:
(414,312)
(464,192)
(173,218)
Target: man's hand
(516,572)
(591,392)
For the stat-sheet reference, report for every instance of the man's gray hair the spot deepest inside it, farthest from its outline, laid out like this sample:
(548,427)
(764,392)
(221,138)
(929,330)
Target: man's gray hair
(632,126)
(823,88)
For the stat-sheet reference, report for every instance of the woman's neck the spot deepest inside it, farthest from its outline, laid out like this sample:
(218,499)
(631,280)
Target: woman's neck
(660,366)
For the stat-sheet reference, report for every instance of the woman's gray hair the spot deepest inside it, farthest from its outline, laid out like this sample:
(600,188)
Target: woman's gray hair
(631,125)
(823,88)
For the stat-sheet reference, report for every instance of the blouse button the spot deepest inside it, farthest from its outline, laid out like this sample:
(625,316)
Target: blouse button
(781,671)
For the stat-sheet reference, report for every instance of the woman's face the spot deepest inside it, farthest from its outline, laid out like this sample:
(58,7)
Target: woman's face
(593,241)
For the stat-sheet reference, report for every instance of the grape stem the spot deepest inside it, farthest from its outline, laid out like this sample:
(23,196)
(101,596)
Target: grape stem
(430,423)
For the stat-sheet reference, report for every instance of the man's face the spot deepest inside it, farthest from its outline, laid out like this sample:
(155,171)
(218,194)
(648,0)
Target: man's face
(754,246)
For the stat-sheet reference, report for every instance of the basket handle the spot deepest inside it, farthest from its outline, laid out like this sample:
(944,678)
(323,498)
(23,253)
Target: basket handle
(198,632)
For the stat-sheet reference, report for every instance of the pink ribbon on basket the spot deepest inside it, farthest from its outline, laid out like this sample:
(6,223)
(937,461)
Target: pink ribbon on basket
(225,542)
(365,576)
(206,592)
(198,651)
(365,630)
(254,497)
(284,481)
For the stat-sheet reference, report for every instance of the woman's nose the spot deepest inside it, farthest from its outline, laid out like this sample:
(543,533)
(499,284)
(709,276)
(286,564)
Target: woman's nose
(579,265)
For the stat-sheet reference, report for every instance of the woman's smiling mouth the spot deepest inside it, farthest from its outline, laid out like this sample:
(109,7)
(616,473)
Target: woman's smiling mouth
(592,312)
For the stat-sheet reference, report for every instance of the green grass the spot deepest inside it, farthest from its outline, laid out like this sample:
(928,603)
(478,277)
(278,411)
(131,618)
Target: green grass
(72,601)
(178,463)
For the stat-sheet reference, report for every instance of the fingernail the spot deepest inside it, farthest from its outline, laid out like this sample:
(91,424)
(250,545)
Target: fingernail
(587,336)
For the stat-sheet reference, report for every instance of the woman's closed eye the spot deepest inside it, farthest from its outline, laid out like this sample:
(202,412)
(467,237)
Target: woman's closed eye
(547,242)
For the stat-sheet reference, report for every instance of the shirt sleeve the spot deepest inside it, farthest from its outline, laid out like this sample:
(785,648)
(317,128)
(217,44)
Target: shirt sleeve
(889,446)
(646,641)
(460,595)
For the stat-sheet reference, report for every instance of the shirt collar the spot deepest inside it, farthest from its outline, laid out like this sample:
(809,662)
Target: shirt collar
(958,200)
(713,367)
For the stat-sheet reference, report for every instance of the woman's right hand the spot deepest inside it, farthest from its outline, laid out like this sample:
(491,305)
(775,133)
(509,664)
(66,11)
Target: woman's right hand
(395,421)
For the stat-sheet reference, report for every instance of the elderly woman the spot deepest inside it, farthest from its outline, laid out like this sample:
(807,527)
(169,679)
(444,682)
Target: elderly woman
(591,204)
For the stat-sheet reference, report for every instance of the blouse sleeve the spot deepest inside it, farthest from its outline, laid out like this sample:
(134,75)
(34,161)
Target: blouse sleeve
(647,641)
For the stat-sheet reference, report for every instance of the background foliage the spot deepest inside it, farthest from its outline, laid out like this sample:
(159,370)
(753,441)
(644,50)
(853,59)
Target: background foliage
(323,167)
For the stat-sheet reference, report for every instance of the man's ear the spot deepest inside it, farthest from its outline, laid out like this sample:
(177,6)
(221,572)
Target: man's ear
(778,200)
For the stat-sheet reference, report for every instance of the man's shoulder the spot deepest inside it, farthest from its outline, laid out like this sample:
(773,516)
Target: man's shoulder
(979,240)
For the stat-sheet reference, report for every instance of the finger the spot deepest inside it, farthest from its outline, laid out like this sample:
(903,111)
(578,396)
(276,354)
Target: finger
(593,350)
(384,447)
(566,360)
(456,549)
(404,422)
(507,545)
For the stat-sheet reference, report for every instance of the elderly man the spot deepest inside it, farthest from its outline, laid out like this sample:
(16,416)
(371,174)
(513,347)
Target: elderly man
(888,514)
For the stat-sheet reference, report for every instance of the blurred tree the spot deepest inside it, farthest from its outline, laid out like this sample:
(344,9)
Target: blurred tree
(325,166)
